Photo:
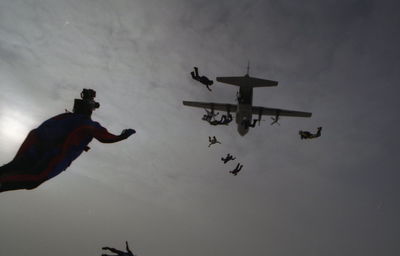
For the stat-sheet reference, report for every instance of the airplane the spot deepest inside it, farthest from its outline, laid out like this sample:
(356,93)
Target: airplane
(244,108)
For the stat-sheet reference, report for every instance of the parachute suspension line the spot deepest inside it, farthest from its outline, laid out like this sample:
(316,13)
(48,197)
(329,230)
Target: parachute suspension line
(248,69)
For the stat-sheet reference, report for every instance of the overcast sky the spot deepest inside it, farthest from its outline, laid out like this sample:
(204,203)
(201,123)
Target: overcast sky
(163,190)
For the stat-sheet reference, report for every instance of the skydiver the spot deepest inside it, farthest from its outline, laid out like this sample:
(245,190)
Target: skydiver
(226,119)
(202,79)
(237,169)
(118,252)
(213,140)
(247,123)
(50,148)
(309,135)
(209,115)
(214,122)
(275,120)
(228,158)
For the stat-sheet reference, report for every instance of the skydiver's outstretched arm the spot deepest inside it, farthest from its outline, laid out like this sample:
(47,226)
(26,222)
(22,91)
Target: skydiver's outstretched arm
(102,135)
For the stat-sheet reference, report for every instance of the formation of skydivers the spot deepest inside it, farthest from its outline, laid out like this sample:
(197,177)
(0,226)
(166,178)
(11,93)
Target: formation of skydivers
(210,117)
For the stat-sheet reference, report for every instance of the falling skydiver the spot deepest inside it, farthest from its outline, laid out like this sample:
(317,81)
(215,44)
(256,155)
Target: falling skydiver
(55,144)
(209,115)
(213,141)
(202,79)
(228,158)
(237,169)
(248,124)
(309,135)
(226,119)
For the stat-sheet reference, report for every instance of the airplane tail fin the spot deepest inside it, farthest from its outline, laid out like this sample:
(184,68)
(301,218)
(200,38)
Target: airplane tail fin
(247,81)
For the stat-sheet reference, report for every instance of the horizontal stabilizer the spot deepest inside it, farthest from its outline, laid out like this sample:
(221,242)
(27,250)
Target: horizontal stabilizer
(279,112)
(247,81)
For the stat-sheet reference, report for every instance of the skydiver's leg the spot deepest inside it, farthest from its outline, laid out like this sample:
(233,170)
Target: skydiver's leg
(21,173)
(253,124)
(318,132)
(196,70)
(193,76)
(9,186)
(208,88)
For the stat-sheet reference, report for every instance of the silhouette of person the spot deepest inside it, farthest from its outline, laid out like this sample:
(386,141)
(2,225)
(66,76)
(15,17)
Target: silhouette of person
(209,115)
(210,118)
(202,79)
(247,123)
(309,135)
(118,252)
(50,148)
(213,140)
(226,119)
(275,120)
(214,122)
(228,158)
(237,169)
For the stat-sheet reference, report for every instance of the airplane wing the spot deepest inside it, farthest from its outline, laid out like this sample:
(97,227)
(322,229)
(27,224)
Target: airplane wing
(215,106)
(247,81)
(280,112)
